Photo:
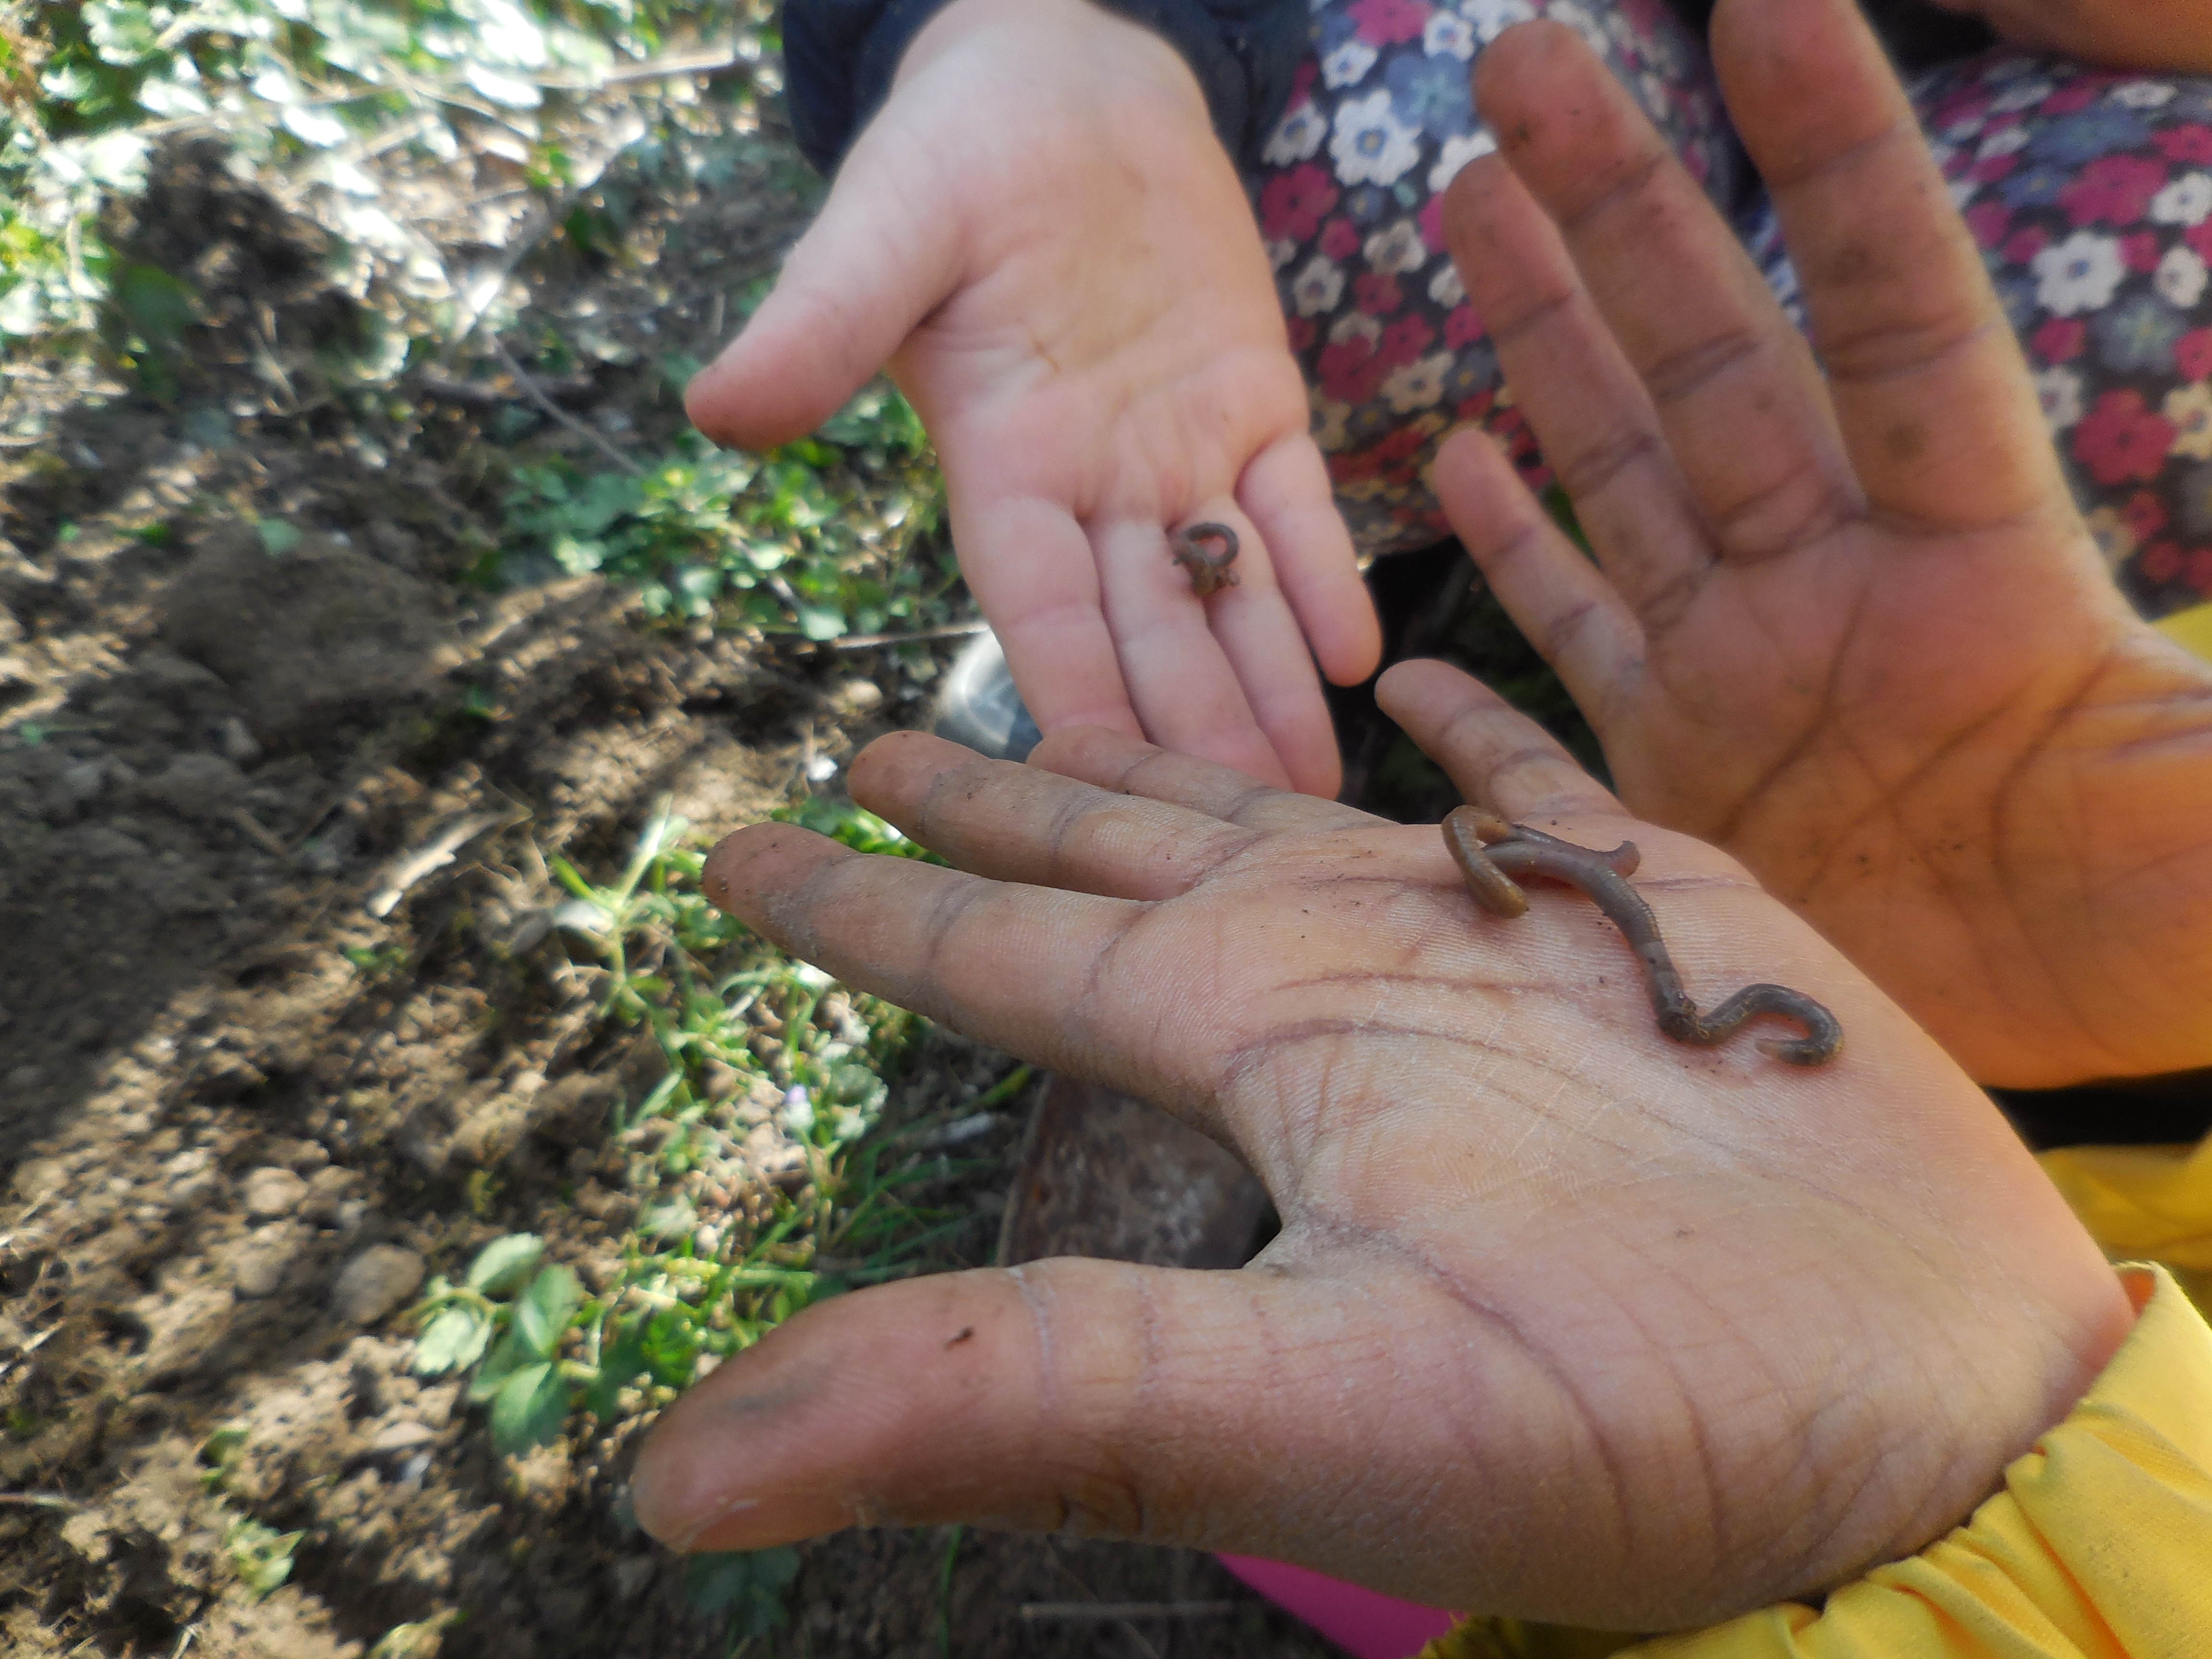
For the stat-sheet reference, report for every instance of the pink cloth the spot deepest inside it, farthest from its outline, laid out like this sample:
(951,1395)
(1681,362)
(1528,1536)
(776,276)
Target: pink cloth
(1363,1622)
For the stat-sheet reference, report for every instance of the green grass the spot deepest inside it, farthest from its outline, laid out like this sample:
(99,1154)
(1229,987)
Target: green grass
(818,538)
(739,1025)
(88,88)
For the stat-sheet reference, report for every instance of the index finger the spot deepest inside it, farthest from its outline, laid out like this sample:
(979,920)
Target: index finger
(1495,755)
(1025,968)
(1937,411)
(1032,569)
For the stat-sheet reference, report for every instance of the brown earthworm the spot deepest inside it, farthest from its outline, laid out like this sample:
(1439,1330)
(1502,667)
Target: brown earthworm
(1492,852)
(1209,573)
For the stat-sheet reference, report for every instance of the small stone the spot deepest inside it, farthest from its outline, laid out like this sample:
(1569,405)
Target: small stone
(86,1532)
(102,844)
(224,1076)
(530,930)
(183,1329)
(272,1192)
(197,786)
(189,1192)
(170,674)
(306,1156)
(375,1282)
(258,1268)
(633,1574)
(39,1177)
(85,781)
(858,697)
(237,744)
(401,1437)
(327,1191)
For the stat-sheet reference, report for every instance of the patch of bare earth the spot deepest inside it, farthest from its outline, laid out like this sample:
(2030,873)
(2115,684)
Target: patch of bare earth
(269,1061)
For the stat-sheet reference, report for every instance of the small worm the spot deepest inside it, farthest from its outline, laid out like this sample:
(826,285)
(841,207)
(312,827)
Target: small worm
(1492,852)
(1209,573)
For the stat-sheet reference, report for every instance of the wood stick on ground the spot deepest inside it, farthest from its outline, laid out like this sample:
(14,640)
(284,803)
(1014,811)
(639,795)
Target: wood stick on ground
(1086,1613)
(869,642)
(536,393)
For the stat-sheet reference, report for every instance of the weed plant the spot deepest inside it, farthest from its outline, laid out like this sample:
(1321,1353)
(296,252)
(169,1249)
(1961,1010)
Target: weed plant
(739,1025)
(89,86)
(816,537)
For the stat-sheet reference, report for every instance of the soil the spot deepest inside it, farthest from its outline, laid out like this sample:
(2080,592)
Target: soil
(262,1070)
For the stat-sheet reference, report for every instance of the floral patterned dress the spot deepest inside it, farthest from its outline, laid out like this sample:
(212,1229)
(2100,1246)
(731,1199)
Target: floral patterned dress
(2090,192)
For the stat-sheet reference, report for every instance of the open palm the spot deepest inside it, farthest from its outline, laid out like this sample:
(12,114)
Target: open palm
(1041,235)
(1846,621)
(1529,1246)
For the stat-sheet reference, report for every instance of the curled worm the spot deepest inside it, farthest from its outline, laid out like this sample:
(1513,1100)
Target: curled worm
(1209,572)
(1491,853)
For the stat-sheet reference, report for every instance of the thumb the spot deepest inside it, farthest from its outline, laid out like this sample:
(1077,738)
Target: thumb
(881,255)
(1253,1410)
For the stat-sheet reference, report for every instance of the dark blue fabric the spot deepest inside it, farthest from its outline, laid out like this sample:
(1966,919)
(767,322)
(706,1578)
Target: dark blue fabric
(840,55)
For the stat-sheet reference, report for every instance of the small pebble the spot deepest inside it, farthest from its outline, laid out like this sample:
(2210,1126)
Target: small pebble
(401,1436)
(84,782)
(237,745)
(39,1177)
(197,786)
(259,1269)
(271,1192)
(327,1191)
(375,1282)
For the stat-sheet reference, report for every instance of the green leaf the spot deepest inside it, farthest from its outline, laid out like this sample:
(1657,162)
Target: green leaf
(453,1341)
(510,1356)
(156,305)
(278,538)
(505,1263)
(261,1556)
(546,1308)
(853,826)
(745,1586)
(529,1409)
(621,1364)
(670,1347)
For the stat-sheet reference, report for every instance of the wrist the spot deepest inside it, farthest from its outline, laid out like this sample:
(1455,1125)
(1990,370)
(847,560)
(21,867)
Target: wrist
(1083,42)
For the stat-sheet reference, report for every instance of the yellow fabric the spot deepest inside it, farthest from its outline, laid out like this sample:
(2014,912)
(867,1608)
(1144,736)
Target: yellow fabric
(2141,1202)
(2100,1547)
(2192,628)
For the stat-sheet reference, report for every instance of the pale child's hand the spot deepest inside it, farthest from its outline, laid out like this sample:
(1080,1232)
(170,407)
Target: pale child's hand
(1041,235)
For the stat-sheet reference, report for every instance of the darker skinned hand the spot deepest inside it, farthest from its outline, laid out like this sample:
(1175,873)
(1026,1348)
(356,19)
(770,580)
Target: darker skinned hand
(1846,621)
(1768,1325)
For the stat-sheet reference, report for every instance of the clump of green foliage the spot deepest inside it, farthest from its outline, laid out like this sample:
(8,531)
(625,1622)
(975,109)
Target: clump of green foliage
(726,1009)
(88,87)
(537,1348)
(259,1554)
(808,537)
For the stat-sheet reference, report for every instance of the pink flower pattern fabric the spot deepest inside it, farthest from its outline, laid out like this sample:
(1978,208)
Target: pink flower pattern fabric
(2091,195)
(1349,199)
(2090,192)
